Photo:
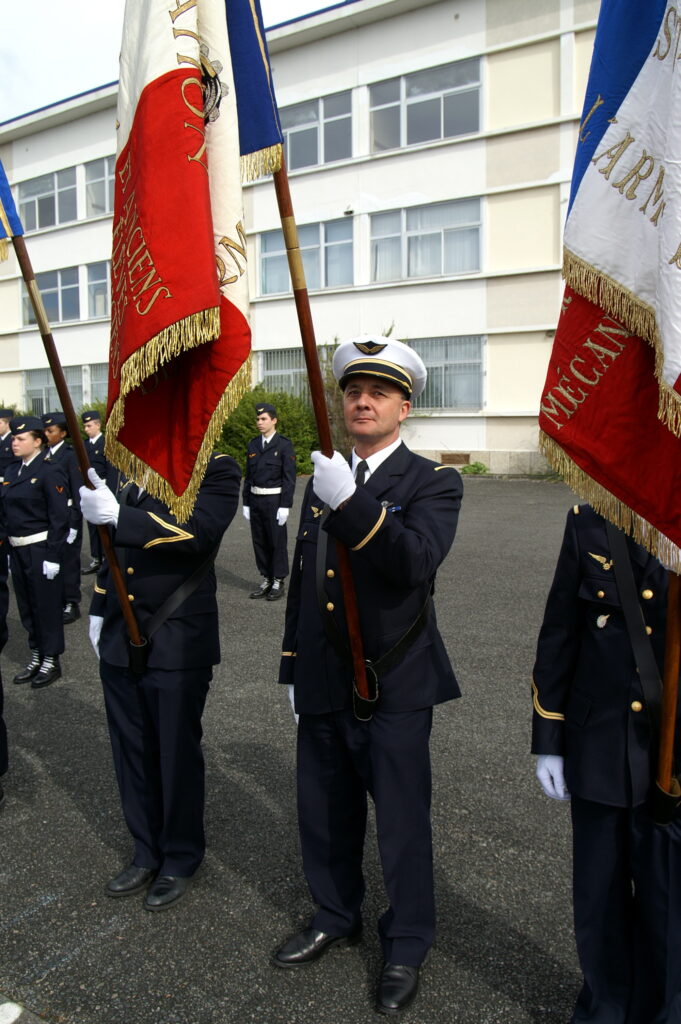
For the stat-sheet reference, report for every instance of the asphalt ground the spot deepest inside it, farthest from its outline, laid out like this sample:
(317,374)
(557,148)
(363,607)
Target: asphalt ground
(504,953)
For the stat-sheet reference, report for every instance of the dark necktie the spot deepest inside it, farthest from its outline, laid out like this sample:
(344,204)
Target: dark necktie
(361,473)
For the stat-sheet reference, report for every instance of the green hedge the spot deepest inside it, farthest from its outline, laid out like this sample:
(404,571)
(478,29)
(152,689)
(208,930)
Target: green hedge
(295,420)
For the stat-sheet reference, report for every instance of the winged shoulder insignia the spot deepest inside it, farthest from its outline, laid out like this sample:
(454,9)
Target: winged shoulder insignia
(603,560)
(316,512)
(368,348)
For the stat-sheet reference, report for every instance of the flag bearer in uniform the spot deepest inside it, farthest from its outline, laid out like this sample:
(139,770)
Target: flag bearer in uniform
(396,513)
(595,738)
(35,500)
(56,432)
(269,486)
(154,715)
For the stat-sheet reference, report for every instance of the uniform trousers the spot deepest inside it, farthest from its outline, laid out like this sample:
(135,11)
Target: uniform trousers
(71,569)
(627,912)
(155,730)
(40,601)
(340,760)
(95,543)
(4,760)
(269,539)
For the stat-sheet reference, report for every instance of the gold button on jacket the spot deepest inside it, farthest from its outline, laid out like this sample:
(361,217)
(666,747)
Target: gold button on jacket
(636,705)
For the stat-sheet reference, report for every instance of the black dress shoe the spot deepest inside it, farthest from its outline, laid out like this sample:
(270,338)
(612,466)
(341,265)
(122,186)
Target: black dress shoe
(50,669)
(94,566)
(308,945)
(71,613)
(277,590)
(130,881)
(263,590)
(165,891)
(397,988)
(31,670)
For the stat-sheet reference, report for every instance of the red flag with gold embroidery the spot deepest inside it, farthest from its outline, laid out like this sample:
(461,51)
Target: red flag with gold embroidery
(180,338)
(610,413)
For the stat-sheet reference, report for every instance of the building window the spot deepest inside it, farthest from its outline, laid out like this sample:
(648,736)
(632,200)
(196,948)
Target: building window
(317,131)
(48,200)
(426,241)
(98,290)
(284,370)
(326,250)
(99,382)
(41,393)
(59,290)
(439,103)
(99,186)
(455,372)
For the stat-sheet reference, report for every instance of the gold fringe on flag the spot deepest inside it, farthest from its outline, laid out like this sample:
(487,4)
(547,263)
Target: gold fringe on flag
(181,505)
(4,250)
(634,314)
(264,161)
(607,505)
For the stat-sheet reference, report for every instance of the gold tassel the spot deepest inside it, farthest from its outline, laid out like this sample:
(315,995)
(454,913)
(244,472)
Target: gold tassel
(607,505)
(181,505)
(4,250)
(264,161)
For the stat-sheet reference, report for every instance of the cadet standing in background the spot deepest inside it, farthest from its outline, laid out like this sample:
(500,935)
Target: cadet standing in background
(35,504)
(59,451)
(94,446)
(269,486)
(6,455)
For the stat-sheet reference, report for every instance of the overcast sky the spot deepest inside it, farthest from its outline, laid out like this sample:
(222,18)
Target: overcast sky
(49,51)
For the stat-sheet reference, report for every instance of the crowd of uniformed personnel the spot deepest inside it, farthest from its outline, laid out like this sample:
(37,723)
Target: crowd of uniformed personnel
(395,514)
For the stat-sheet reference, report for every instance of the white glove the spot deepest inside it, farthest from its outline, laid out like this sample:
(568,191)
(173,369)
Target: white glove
(282,516)
(549,771)
(333,481)
(94,629)
(72,536)
(247,513)
(99,506)
(292,702)
(50,569)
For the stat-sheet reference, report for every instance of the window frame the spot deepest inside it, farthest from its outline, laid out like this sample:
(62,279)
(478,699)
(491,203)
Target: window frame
(406,234)
(55,192)
(320,249)
(320,124)
(448,368)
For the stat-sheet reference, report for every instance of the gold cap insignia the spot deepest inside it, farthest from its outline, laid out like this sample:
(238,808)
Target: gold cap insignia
(369,348)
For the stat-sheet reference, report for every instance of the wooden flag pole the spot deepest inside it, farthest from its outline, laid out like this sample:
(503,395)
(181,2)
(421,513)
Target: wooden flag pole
(73,425)
(670,683)
(302,300)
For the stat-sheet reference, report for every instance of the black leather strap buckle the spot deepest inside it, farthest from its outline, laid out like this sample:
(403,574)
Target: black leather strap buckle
(363,707)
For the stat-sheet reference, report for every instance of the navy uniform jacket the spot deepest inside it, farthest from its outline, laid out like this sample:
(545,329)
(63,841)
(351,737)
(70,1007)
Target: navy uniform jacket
(66,458)
(588,701)
(100,463)
(6,454)
(398,528)
(37,501)
(157,555)
(275,466)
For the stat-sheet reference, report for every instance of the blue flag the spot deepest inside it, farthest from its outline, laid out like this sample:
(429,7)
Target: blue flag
(10,224)
(260,138)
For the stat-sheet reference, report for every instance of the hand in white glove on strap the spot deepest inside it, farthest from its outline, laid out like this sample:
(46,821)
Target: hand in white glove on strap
(99,506)
(72,536)
(50,569)
(282,516)
(247,513)
(94,630)
(333,480)
(549,771)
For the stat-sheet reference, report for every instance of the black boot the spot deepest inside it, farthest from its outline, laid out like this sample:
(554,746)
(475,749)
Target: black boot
(277,590)
(50,669)
(31,670)
(263,590)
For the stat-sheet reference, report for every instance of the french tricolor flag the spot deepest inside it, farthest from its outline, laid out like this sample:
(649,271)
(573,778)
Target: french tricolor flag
(180,339)
(610,413)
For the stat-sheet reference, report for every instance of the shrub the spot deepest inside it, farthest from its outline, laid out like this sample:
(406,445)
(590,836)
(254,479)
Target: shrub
(474,469)
(295,420)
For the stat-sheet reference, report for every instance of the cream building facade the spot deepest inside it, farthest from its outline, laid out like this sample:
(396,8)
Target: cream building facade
(430,149)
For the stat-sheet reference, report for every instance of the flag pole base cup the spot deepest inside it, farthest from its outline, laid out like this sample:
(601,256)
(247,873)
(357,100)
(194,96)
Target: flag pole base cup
(137,657)
(665,803)
(364,707)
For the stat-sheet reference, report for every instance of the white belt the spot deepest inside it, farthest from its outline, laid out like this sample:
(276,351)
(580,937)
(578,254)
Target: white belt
(32,538)
(265,490)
